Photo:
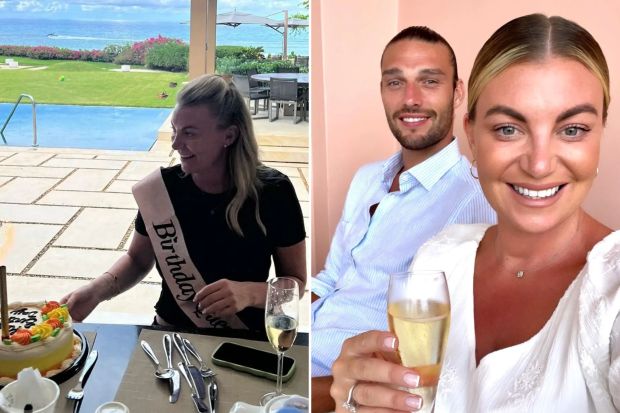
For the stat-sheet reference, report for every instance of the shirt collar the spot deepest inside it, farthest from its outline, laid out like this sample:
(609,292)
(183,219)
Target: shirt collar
(426,173)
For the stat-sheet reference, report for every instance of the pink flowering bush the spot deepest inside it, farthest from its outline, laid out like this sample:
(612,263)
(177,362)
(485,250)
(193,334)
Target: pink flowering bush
(55,53)
(119,54)
(136,54)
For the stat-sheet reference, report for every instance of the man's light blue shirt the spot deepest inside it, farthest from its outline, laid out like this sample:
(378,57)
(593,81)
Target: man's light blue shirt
(365,250)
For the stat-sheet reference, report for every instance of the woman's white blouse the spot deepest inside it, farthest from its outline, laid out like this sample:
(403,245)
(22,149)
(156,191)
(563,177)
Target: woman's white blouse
(571,365)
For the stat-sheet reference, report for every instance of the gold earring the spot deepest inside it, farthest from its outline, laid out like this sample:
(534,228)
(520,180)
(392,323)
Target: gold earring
(471,169)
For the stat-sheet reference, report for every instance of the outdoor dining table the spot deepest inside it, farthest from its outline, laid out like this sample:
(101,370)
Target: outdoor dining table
(302,78)
(124,373)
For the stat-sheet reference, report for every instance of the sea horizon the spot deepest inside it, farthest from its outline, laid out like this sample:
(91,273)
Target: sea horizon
(81,34)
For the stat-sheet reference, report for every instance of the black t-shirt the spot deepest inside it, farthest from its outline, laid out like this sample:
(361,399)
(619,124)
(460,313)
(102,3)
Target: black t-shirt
(219,252)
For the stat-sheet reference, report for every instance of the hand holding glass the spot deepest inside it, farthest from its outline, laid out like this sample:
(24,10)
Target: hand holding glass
(281,315)
(419,315)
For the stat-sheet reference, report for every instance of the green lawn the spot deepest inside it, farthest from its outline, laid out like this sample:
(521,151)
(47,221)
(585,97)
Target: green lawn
(87,83)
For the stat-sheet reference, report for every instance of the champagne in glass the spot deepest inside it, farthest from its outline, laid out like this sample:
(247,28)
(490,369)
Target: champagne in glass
(281,315)
(281,331)
(419,315)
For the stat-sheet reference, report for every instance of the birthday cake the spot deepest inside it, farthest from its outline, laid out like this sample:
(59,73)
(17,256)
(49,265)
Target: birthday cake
(40,336)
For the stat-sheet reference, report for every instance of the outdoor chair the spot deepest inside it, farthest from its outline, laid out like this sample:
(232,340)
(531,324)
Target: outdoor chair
(280,69)
(302,61)
(252,94)
(256,85)
(285,91)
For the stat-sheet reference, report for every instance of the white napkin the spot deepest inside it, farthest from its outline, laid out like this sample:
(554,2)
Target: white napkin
(3,403)
(281,404)
(28,388)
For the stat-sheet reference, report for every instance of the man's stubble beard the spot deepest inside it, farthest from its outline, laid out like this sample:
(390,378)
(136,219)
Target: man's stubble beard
(438,130)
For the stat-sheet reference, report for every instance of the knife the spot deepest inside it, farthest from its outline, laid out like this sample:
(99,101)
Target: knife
(174,381)
(213,393)
(200,405)
(192,371)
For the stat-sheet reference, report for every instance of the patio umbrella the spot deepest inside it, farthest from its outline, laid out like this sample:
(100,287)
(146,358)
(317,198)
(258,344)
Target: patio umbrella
(235,18)
(292,23)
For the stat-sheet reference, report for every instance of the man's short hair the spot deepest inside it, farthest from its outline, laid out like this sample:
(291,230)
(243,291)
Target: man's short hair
(425,34)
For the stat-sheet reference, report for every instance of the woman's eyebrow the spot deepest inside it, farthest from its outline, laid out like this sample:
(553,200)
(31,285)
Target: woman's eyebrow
(584,108)
(505,110)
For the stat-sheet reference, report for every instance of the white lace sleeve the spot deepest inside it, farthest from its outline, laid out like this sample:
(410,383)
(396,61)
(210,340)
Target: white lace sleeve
(614,368)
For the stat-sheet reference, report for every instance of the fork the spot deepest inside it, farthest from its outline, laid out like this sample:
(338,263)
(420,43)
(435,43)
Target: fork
(205,371)
(77,392)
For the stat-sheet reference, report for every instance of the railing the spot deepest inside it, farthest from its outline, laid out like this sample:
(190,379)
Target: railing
(34,118)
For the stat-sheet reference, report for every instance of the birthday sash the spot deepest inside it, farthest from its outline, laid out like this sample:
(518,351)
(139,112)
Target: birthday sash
(177,267)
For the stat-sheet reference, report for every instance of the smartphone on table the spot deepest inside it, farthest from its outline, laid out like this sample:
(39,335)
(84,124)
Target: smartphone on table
(250,360)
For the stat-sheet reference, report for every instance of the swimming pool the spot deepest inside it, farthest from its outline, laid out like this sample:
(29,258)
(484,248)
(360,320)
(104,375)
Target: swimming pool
(88,127)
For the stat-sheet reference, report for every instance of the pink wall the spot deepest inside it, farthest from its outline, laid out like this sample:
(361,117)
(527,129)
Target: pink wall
(348,125)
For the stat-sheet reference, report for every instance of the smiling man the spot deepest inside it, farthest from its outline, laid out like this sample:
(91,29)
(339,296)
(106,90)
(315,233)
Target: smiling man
(395,205)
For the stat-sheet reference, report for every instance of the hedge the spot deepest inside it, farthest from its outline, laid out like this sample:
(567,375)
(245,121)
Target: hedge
(169,56)
(240,52)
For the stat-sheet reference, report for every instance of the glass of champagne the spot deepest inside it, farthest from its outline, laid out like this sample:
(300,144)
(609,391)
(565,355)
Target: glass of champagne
(281,315)
(419,315)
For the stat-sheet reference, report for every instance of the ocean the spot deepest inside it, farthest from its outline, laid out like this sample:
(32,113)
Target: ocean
(89,35)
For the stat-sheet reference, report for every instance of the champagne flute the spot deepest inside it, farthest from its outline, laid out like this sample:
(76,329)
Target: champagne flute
(281,315)
(419,315)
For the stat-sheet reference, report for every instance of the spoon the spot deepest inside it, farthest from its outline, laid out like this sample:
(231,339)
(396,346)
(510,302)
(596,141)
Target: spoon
(205,371)
(175,380)
(159,373)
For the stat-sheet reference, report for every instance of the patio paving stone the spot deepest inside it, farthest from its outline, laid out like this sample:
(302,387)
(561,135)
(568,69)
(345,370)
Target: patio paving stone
(276,164)
(86,163)
(137,170)
(138,156)
(28,241)
(277,140)
(290,172)
(126,246)
(25,190)
(119,185)
(27,159)
(43,214)
(4,179)
(305,173)
(87,180)
(34,171)
(300,188)
(281,154)
(75,156)
(92,199)
(80,263)
(97,228)
(308,229)
(305,208)
(74,262)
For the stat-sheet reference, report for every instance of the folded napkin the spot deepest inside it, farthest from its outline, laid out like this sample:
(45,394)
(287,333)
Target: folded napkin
(29,388)
(280,404)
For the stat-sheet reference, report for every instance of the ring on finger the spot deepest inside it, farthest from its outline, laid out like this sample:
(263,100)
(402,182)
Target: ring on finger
(350,404)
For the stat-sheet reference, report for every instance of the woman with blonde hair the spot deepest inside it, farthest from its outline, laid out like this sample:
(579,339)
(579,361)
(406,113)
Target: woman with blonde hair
(211,224)
(534,299)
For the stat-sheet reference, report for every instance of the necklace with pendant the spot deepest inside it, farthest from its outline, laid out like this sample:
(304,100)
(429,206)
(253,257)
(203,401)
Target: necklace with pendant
(548,262)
